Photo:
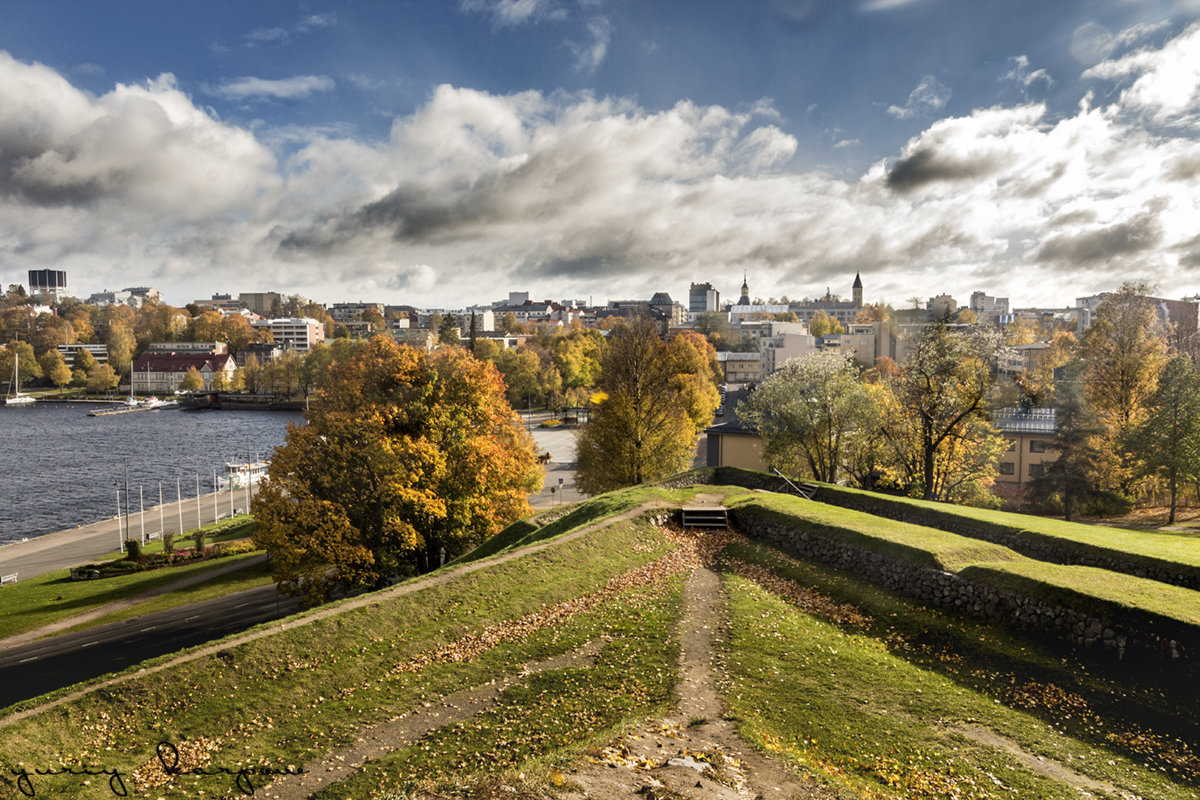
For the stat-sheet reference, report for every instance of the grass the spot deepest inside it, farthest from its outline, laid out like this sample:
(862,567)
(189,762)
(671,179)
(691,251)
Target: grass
(585,512)
(916,544)
(876,704)
(1175,547)
(54,596)
(540,725)
(1090,589)
(290,696)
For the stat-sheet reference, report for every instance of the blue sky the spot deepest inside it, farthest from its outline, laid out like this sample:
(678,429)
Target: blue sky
(444,153)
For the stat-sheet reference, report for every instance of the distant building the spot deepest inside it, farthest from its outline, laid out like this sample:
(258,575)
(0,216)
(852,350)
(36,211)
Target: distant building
(265,304)
(49,285)
(1180,315)
(740,368)
(733,443)
(223,303)
(844,311)
(202,348)
(98,351)
(134,297)
(703,297)
(165,371)
(296,333)
(1030,435)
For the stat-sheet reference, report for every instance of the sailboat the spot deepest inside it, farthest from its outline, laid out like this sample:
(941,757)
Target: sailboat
(15,398)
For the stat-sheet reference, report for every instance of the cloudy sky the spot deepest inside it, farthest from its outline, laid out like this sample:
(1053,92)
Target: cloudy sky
(445,153)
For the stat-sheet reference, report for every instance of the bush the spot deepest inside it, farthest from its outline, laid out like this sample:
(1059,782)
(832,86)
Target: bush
(199,540)
(168,540)
(133,549)
(234,548)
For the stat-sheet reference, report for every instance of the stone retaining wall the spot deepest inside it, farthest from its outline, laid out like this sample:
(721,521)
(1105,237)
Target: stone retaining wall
(1125,633)
(1027,543)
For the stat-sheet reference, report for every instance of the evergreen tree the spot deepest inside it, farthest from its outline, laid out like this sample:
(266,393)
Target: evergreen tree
(1167,442)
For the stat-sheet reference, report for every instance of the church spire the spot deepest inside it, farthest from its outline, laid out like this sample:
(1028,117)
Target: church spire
(744,300)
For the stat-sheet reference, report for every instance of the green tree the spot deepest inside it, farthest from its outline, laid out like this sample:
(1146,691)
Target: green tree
(22,353)
(55,368)
(192,381)
(810,412)
(102,379)
(940,388)
(822,324)
(447,329)
(83,360)
(407,459)
(1167,442)
(640,431)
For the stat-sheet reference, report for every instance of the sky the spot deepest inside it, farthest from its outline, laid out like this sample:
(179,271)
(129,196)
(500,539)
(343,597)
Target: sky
(440,153)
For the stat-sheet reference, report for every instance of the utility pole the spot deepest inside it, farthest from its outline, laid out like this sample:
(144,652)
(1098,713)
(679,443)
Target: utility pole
(126,460)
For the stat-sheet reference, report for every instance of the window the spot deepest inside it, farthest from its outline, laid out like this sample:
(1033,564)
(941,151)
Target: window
(1012,445)
(1007,468)
(1035,470)
(1040,445)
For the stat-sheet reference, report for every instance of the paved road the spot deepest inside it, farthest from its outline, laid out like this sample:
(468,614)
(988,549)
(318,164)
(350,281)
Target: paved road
(39,667)
(42,554)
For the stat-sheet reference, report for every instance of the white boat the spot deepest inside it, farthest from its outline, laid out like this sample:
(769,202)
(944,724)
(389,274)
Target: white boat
(240,474)
(15,398)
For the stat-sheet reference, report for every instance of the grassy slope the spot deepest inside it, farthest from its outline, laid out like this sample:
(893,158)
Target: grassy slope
(288,697)
(1167,546)
(876,706)
(1082,587)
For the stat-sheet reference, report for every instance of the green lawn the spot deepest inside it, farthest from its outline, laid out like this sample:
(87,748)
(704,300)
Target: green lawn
(54,596)
(879,704)
(1084,588)
(290,696)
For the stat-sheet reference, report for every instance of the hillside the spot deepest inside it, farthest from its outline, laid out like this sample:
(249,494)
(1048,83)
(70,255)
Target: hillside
(604,652)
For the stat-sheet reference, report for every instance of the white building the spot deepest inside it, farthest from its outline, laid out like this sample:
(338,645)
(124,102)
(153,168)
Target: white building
(298,333)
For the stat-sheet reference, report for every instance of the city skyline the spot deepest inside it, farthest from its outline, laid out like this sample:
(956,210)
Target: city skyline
(414,152)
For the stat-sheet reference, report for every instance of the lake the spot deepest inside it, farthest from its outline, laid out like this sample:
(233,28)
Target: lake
(59,467)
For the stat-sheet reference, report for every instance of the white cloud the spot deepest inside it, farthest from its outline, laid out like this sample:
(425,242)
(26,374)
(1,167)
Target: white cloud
(1022,75)
(929,96)
(297,87)
(568,194)
(280,34)
(589,56)
(1165,81)
(512,13)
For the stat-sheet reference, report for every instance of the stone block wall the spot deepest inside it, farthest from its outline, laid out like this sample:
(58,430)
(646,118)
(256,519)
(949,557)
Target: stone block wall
(1123,633)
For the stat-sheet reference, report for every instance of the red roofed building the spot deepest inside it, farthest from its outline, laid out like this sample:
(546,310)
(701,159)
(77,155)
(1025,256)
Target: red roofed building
(164,371)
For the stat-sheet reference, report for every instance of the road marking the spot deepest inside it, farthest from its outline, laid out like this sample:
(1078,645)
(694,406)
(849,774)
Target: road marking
(89,644)
(192,617)
(152,627)
(239,605)
(26,660)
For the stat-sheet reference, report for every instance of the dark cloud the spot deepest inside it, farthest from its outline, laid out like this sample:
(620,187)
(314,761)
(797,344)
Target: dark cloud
(1139,234)
(1191,259)
(1072,218)
(929,166)
(1183,168)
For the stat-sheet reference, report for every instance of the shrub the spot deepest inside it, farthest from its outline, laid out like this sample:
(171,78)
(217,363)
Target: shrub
(168,540)
(199,540)
(133,549)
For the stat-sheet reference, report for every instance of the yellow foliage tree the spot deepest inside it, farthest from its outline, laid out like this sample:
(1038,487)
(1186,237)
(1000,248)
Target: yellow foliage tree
(408,459)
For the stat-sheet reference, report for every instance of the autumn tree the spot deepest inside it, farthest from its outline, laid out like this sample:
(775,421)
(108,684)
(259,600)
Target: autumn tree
(192,381)
(809,412)
(55,369)
(697,376)
(102,378)
(939,389)
(407,459)
(641,430)
(1167,441)
(1122,352)
(28,366)
(822,324)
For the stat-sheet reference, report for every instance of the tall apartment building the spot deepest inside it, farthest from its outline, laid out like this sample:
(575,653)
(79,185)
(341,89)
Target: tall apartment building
(298,334)
(703,297)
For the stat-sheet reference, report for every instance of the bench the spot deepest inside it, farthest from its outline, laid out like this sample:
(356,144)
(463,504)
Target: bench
(8,579)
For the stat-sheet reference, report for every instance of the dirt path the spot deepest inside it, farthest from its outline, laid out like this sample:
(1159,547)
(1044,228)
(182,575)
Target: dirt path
(120,605)
(322,613)
(693,753)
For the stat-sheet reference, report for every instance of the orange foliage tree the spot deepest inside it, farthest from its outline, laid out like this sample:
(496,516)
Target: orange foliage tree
(408,459)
